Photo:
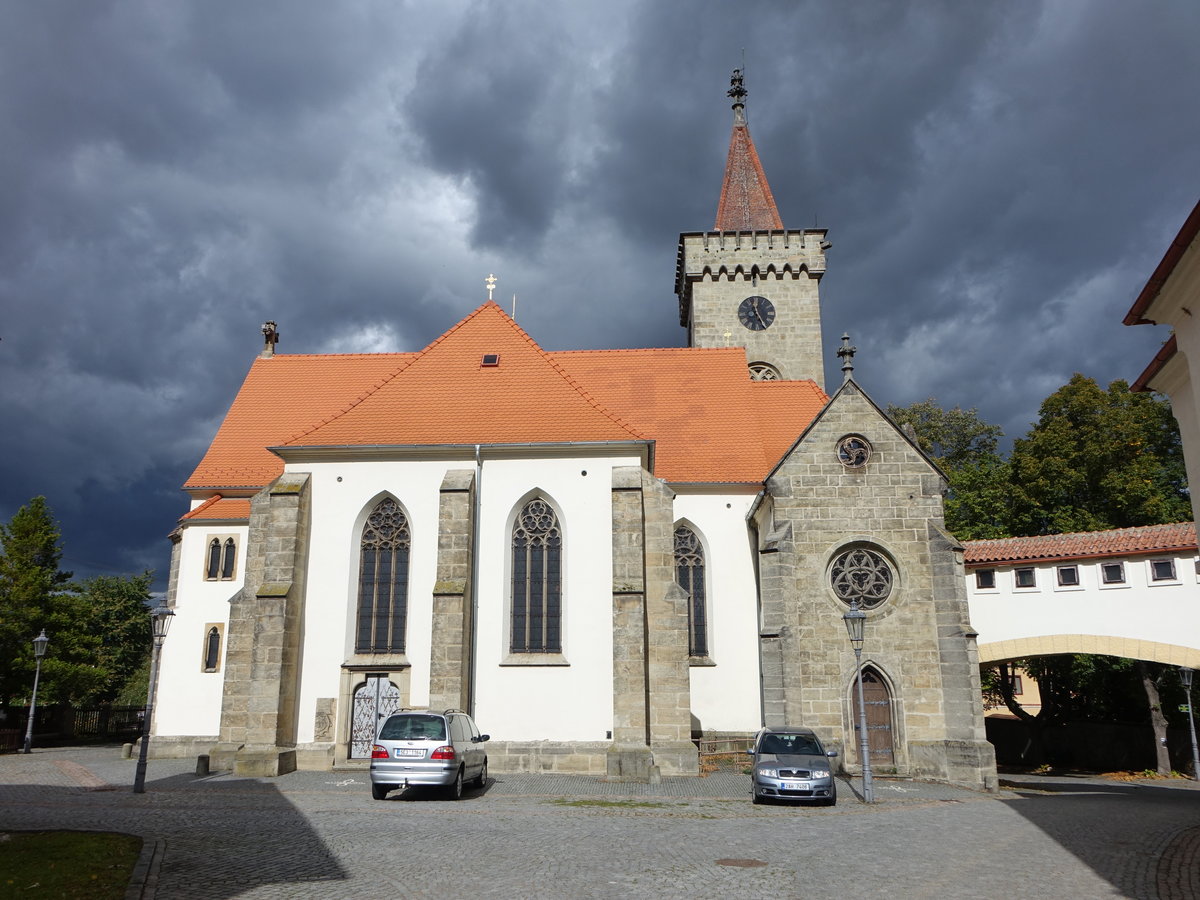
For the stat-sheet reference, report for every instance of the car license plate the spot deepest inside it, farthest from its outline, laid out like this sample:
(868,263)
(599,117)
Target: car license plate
(795,785)
(407,751)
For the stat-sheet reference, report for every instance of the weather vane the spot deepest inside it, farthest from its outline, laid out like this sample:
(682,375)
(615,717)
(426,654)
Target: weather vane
(491,285)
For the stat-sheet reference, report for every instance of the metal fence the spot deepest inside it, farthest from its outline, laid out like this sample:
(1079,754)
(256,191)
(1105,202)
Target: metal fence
(56,726)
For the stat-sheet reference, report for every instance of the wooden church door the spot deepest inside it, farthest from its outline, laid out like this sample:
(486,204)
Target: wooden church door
(375,700)
(878,701)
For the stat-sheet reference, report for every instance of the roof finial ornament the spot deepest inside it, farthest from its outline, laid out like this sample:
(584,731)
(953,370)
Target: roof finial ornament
(491,285)
(270,338)
(738,92)
(846,352)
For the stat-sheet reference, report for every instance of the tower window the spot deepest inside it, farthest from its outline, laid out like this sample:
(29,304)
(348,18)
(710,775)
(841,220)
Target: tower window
(221,559)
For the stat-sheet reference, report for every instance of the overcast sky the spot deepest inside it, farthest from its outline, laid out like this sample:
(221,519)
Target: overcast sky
(999,179)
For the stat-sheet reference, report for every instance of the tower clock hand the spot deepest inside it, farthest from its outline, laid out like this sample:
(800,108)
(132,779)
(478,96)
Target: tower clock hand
(758,314)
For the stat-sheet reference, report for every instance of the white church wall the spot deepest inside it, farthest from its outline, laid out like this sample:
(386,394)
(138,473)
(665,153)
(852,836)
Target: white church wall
(725,696)
(195,695)
(342,495)
(515,701)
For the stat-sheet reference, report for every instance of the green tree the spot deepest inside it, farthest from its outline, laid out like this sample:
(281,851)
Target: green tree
(31,584)
(118,608)
(1098,459)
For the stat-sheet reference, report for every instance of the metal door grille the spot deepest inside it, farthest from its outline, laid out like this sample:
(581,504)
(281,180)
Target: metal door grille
(374,701)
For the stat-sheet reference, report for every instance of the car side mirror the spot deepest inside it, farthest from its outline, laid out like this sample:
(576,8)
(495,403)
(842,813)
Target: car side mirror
(482,738)
(749,752)
(831,753)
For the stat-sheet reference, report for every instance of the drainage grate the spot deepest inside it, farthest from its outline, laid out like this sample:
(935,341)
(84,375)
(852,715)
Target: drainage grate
(741,863)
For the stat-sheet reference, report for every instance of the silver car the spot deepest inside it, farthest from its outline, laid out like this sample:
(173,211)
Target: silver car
(420,747)
(790,763)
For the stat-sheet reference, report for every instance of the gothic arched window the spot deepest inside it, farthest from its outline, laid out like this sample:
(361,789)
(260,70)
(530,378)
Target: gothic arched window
(689,573)
(383,580)
(536,580)
(214,560)
(212,649)
(229,556)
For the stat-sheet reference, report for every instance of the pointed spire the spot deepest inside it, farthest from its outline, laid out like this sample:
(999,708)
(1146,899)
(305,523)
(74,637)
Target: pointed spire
(846,352)
(746,201)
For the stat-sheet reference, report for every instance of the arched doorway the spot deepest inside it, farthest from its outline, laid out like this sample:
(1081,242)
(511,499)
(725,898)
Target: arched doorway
(374,700)
(878,701)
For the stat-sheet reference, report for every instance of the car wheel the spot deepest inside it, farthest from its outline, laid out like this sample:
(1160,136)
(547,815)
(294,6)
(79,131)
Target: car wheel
(454,792)
(756,799)
(481,781)
(380,791)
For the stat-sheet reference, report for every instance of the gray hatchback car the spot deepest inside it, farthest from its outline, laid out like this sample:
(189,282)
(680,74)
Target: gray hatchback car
(791,764)
(421,747)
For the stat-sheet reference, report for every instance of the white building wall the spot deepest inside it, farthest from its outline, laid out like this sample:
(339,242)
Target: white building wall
(1141,609)
(195,695)
(513,702)
(725,696)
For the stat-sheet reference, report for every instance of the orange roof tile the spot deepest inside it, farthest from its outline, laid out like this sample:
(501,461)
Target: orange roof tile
(1082,545)
(281,396)
(218,507)
(446,396)
(746,202)
(709,422)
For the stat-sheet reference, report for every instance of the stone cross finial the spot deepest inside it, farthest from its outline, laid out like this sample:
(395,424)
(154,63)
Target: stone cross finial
(491,285)
(846,352)
(738,92)
(270,338)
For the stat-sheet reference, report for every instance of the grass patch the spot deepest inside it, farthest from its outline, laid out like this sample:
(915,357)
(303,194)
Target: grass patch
(88,865)
(610,804)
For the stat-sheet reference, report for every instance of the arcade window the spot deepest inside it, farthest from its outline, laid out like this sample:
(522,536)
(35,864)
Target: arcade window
(1026,577)
(221,561)
(985,579)
(1068,576)
(1112,573)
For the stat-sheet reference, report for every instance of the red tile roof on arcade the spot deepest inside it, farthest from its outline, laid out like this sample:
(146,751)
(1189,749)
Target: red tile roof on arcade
(708,421)
(1082,545)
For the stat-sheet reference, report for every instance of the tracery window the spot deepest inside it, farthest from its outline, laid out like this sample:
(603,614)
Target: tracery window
(763,372)
(536,580)
(222,559)
(689,573)
(863,575)
(383,580)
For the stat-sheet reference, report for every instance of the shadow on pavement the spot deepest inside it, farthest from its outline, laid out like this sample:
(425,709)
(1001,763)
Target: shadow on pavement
(1138,837)
(217,842)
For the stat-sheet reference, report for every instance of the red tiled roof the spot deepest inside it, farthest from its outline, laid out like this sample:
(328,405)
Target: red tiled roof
(710,423)
(218,507)
(281,396)
(746,202)
(1082,545)
(446,396)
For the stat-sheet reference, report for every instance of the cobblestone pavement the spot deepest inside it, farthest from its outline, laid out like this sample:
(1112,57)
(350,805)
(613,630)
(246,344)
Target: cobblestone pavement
(319,834)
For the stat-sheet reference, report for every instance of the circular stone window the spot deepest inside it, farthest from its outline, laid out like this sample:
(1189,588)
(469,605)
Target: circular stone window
(863,575)
(854,451)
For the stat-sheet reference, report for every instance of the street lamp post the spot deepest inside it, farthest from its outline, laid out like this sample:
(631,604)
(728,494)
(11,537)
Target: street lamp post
(160,621)
(39,650)
(856,621)
(1185,678)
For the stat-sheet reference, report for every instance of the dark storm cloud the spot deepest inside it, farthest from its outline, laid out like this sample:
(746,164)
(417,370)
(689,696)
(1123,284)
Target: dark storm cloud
(998,182)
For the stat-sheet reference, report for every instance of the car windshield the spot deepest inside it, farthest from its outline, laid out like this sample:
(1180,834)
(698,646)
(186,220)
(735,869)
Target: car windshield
(414,728)
(790,745)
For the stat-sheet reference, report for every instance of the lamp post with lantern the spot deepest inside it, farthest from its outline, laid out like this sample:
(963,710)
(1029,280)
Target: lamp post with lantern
(1185,678)
(39,650)
(160,621)
(856,621)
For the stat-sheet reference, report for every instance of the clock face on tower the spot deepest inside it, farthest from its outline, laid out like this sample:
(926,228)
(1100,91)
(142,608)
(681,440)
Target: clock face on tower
(756,313)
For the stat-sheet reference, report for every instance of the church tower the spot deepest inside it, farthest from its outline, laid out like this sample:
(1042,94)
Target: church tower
(750,282)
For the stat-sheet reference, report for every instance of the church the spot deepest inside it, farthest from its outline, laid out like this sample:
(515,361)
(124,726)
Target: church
(605,556)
